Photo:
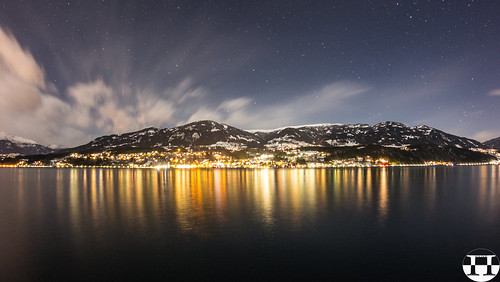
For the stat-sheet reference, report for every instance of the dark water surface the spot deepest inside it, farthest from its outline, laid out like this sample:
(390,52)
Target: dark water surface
(299,224)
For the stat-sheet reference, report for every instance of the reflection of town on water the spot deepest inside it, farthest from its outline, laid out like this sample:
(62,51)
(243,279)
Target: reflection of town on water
(198,201)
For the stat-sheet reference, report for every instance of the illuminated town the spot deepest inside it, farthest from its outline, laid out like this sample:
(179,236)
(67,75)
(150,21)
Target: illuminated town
(223,158)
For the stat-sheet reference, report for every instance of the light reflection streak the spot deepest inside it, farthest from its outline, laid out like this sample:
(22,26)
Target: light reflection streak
(21,193)
(74,204)
(94,211)
(430,188)
(265,195)
(383,201)
(489,192)
(369,187)
(360,188)
(137,207)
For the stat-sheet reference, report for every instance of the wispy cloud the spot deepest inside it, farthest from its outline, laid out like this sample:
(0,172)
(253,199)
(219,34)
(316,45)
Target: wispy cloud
(246,113)
(486,135)
(92,108)
(22,85)
(88,109)
(495,92)
(18,64)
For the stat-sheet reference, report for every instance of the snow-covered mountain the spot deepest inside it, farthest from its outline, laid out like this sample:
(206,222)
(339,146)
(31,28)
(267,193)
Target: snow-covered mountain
(11,144)
(212,134)
(200,133)
(493,143)
(385,133)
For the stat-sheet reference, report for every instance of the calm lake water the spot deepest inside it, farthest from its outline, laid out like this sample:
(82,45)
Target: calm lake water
(300,224)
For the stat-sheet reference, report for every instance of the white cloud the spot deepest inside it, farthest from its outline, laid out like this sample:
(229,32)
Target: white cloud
(495,92)
(154,111)
(16,94)
(21,85)
(18,62)
(90,109)
(97,107)
(21,79)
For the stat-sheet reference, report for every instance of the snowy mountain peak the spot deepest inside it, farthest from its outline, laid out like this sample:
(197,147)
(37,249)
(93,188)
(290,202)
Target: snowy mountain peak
(15,139)
(11,144)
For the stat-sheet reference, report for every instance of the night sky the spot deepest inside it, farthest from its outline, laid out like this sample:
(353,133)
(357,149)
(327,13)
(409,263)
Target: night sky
(71,71)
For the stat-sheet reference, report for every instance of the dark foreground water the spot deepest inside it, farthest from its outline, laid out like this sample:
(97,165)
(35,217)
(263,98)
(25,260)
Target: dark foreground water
(299,224)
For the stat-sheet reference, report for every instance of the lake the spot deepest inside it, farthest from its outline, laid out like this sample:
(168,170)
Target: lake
(393,223)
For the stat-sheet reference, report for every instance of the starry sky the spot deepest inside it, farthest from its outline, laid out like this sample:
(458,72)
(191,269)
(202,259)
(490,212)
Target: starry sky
(71,71)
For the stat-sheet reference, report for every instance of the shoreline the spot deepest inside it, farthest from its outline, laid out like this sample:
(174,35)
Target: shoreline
(187,166)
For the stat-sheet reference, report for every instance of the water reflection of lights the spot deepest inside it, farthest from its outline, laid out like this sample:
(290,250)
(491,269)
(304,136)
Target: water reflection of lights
(383,202)
(196,200)
(264,197)
(489,192)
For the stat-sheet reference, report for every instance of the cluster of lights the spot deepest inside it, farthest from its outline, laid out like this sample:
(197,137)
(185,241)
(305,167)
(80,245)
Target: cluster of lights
(290,158)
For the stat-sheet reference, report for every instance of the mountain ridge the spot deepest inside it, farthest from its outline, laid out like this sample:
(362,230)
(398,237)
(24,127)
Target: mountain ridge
(211,134)
(493,143)
(207,133)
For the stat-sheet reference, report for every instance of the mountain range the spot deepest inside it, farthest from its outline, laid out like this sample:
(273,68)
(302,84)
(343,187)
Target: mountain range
(211,134)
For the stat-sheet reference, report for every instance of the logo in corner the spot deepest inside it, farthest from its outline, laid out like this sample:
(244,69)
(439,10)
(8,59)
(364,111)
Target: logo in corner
(481,265)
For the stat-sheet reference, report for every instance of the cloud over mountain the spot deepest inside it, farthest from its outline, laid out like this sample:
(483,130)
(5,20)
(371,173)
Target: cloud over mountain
(33,107)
